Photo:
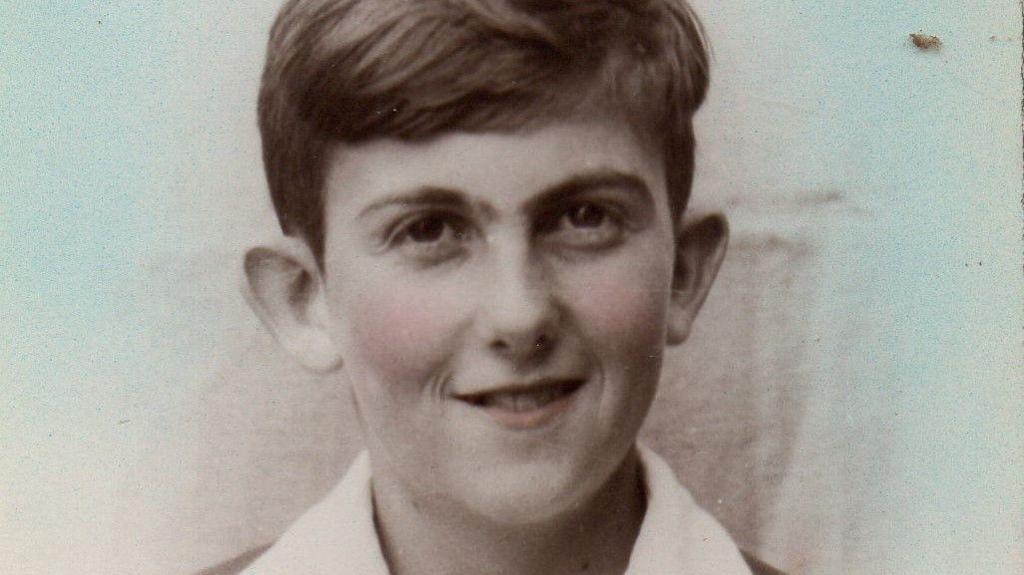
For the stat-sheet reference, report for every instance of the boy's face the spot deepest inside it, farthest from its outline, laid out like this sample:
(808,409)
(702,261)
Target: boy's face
(500,304)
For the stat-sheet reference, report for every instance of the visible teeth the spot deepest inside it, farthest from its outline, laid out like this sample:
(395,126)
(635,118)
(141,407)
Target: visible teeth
(524,401)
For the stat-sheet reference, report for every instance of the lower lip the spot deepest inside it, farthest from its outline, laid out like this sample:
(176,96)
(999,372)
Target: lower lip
(531,419)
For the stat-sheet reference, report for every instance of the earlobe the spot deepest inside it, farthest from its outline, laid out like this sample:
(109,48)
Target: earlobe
(700,249)
(285,289)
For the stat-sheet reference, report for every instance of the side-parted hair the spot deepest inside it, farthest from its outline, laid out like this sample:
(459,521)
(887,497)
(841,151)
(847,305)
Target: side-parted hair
(348,71)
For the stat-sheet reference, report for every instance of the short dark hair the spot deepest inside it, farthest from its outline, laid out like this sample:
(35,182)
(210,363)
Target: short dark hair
(347,71)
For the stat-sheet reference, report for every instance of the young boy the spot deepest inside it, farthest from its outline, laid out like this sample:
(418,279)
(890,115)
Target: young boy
(483,207)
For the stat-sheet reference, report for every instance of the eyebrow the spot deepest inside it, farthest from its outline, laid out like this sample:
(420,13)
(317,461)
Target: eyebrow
(604,178)
(424,195)
(573,185)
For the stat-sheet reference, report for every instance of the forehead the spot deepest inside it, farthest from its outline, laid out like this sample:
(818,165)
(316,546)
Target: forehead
(501,169)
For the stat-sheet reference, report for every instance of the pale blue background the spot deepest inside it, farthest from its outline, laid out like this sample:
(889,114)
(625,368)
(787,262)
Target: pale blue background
(130,183)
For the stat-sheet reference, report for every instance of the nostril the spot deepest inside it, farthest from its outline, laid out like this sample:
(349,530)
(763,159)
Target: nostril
(523,347)
(543,341)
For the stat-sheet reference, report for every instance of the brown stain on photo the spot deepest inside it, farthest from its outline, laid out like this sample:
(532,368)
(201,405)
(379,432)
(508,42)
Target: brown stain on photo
(926,42)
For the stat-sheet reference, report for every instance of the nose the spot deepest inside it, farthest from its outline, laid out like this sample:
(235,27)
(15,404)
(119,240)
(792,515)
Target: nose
(520,317)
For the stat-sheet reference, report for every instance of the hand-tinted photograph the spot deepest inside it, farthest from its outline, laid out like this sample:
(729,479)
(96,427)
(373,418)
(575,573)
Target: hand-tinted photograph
(522,287)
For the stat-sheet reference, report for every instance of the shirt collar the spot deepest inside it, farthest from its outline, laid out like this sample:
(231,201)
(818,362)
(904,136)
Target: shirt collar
(676,535)
(338,536)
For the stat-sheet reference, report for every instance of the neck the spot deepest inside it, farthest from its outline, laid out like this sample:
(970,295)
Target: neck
(596,537)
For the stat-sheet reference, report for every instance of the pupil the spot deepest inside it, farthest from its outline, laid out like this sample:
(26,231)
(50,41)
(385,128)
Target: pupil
(427,230)
(586,216)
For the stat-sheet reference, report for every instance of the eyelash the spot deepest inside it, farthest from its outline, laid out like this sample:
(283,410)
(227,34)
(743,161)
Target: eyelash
(399,235)
(460,230)
(606,214)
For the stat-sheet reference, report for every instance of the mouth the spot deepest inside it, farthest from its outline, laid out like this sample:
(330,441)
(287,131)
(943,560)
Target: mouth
(525,406)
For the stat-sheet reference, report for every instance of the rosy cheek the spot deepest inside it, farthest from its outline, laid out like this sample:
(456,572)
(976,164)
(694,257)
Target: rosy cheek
(619,303)
(398,336)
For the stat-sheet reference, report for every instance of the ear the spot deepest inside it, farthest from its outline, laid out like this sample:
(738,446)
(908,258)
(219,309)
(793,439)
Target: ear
(700,249)
(286,290)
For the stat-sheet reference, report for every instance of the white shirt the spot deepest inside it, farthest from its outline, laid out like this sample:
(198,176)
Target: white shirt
(337,536)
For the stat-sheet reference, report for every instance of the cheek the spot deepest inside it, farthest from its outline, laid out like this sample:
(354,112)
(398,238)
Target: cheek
(397,337)
(621,312)
(624,309)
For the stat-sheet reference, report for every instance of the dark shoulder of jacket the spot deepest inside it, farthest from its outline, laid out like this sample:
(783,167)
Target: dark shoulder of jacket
(235,565)
(758,567)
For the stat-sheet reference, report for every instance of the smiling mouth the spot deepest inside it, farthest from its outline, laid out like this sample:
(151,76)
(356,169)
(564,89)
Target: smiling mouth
(525,406)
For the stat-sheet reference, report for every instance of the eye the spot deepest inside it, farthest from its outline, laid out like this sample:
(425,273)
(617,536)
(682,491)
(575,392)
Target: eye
(428,229)
(431,237)
(586,225)
(586,216)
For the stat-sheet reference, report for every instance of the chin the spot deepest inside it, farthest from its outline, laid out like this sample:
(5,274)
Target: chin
(530,494)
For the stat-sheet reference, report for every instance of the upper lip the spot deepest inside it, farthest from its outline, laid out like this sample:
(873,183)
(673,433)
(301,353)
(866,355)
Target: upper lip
(520,387)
